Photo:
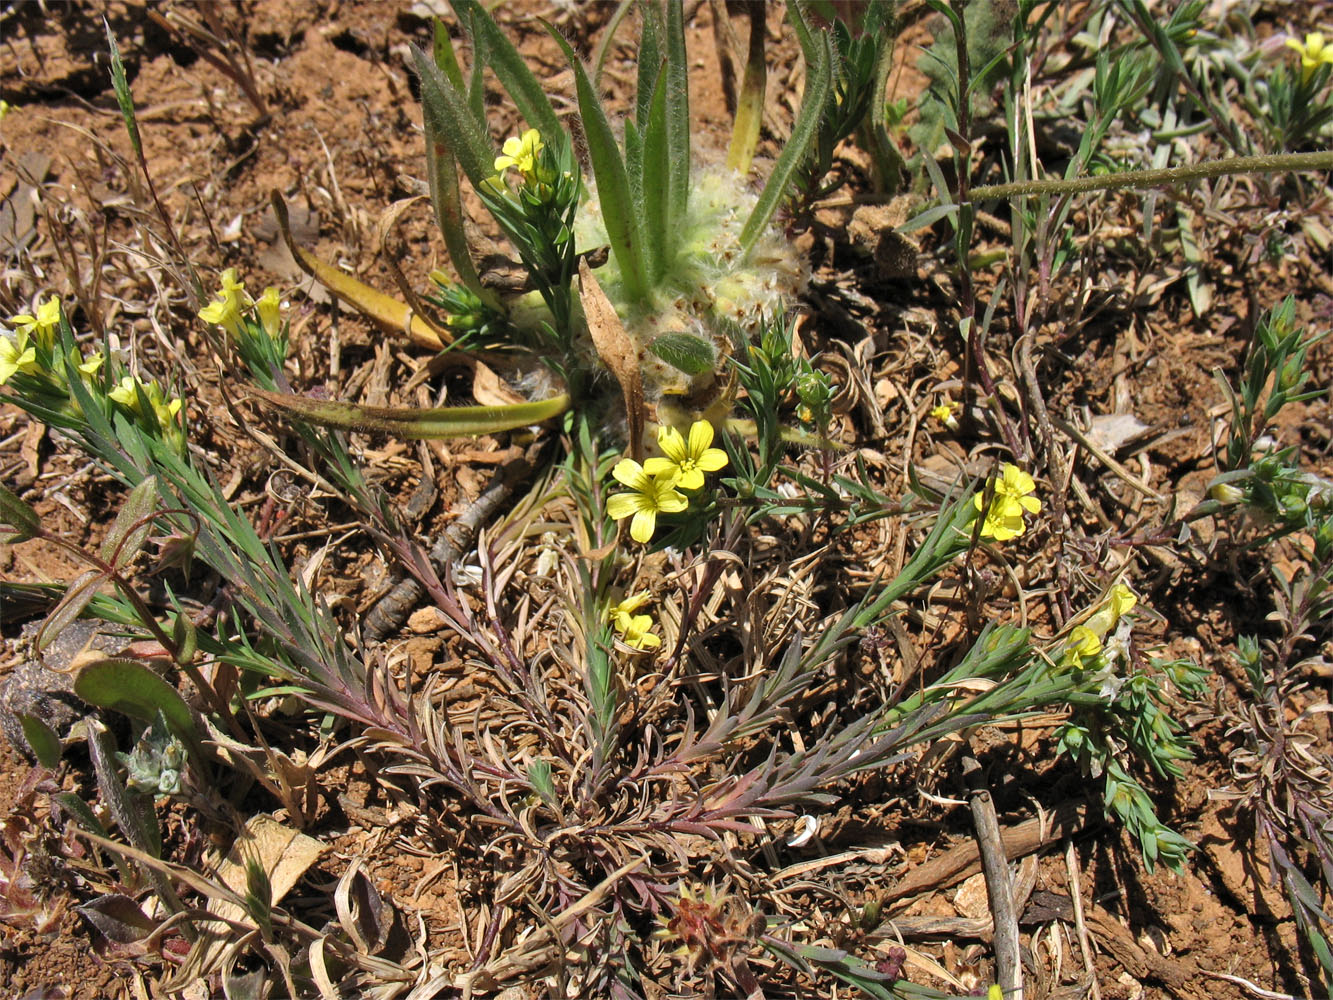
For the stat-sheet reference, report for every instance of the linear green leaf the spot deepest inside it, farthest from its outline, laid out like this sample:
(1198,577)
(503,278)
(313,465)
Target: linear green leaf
(677,126)
(18,515)
(504,60)
(654,183)
(441,422)
(802,134)
(624,227)
(445,199)
(448,114)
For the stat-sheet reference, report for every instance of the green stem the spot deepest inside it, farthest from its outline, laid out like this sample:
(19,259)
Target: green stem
(1268,164)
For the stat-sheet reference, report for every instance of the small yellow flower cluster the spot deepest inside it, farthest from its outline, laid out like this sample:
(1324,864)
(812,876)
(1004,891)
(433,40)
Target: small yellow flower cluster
(233,301)
(1085,641)
(1315,51)
(1011,496)
(33,350)
(635,630)
(127,393)
(655,486)
(18,353)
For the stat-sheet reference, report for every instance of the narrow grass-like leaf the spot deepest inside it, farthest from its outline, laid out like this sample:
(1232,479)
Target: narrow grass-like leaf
(801,28)
(928,218)
(445,199)
(130,530)
(476,87)
(608,36)
(122,88)
(750,101)
(42,740)
(528,95)
(441,422)
(654,183)
(686,352)
(649,58)
(793,154)
(447,111)
(19,516)
(624,227)
(677,126)
(446,58)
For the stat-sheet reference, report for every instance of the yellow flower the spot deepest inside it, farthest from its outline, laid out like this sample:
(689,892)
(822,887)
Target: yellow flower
(626,608)
(521,153)
(649,496)
(687,460)
(1122,601)
(1314,51)
(225,310)
(16,355)
(637,632)
(270,311)
(1119,602)
(1084,644)
(163,407)
(5,109)
(92,365)
(1012,496)
(44,325)
(944,414)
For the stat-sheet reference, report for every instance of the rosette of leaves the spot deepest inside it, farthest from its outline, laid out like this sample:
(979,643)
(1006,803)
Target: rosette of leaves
(683,250)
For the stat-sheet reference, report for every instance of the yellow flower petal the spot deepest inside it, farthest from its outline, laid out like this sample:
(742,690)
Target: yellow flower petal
(622,505)
(701,436)
(641,528)
(631,474)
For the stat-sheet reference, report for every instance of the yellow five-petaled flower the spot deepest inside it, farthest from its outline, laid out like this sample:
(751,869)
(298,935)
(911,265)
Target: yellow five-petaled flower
(1315,51)
(42,327)
(635,630)
(648,497)
(521,153)
(687,460)
(16,355)
(1012,496)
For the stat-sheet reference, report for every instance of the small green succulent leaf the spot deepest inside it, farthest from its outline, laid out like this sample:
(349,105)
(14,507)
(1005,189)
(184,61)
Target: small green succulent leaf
(42,739)
(16,513)
(129,532)
(690,354)
(414,424)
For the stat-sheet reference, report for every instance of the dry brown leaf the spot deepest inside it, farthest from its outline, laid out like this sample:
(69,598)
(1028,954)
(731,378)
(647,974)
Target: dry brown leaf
(616,351)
